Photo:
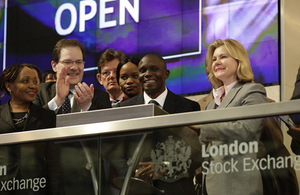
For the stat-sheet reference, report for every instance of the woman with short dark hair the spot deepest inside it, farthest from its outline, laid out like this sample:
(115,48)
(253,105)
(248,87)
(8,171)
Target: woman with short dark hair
(128,77)
(34,160)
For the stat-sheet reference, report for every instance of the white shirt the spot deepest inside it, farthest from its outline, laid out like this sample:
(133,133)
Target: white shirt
(53,106)
(160,99)
(119,99)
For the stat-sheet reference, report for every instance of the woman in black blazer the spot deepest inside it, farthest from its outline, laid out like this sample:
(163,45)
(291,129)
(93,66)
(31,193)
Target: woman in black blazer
(35,163)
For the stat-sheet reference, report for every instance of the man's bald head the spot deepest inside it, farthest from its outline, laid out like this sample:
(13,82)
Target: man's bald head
(152,74)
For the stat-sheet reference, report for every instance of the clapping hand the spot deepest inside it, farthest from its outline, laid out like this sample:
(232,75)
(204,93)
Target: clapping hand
(83,95)
(62,86)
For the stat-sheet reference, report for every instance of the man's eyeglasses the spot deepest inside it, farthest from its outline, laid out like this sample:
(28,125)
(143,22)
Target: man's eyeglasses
(70,62)
(107,73)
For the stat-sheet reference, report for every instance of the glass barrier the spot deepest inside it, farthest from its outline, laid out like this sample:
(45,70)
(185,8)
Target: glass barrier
(224,151)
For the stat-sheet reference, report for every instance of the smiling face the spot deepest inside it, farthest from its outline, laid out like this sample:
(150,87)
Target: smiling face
(75,71)
(129,80)
(24,89)
(224,66)
(152,74)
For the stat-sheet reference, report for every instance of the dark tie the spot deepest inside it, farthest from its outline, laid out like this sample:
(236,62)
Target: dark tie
(154,102)
(66,105)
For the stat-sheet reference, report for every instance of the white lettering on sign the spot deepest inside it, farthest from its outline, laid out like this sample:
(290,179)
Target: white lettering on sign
(104,10)
(72,9)
(86,16)
(3,170)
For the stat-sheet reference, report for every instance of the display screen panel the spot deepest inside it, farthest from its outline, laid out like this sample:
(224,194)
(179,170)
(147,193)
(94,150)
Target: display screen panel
(178,30)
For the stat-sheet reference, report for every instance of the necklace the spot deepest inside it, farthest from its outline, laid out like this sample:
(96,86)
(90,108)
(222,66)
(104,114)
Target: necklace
(20,120)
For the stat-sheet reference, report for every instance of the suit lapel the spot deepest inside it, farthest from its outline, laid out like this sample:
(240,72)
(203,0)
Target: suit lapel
(170,102)
(231,95)
(6,115)
(52,91)
(140,99)
(75,106)
(33,116)
(211,105)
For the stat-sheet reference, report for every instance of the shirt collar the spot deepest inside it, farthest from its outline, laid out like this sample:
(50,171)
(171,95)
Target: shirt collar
(160,99)
(218,93)
(229,87)
(120,98)
(72,90)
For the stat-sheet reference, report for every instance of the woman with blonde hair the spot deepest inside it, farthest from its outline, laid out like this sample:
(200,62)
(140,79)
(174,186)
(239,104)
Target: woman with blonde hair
(235,50)
(229,72)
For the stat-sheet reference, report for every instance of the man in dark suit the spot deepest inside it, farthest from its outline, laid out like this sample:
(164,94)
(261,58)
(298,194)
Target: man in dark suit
(152,74)
(70,94)
(68,62)
(107,68)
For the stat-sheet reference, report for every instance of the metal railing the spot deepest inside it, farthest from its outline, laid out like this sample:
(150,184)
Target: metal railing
(154,122)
